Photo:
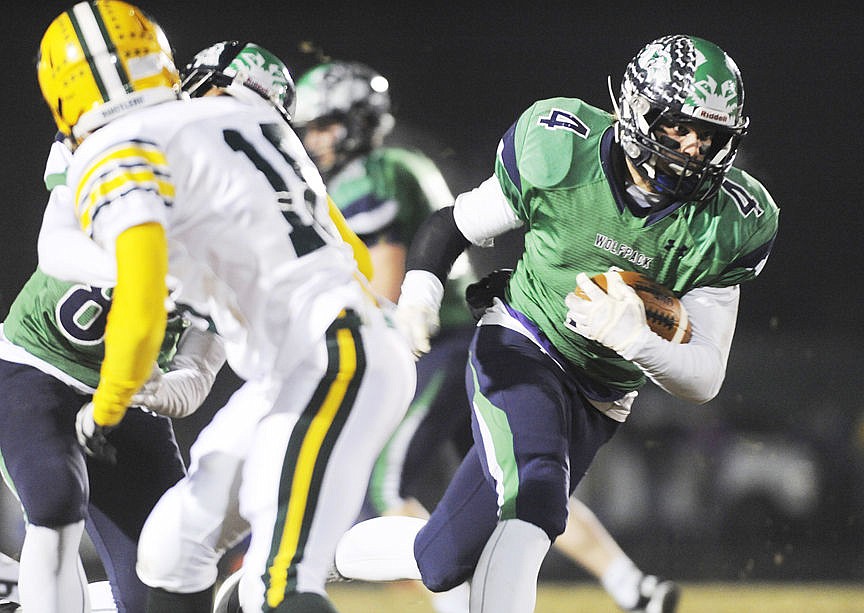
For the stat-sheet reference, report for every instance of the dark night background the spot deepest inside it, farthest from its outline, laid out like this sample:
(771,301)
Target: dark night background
(766,480)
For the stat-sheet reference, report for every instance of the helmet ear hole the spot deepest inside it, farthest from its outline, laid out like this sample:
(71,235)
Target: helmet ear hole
(640,105)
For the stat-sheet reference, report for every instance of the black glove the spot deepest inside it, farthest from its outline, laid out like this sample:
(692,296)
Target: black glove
(93,437)
(479,295)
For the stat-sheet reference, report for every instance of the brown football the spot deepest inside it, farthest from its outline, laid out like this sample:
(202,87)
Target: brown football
(666,316)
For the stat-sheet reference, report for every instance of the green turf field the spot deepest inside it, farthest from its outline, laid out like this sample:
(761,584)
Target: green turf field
(587,598)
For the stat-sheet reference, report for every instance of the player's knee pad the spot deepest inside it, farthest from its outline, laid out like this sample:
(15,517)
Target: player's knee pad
(63,503)
(440,578)
(542,497)
(443,562)
(176,551)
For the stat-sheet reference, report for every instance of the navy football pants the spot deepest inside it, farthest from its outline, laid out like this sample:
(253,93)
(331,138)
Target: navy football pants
(58,485)
(540,433)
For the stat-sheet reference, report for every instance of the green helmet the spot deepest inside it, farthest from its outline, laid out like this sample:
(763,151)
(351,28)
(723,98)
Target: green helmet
(239,68)
(681,79)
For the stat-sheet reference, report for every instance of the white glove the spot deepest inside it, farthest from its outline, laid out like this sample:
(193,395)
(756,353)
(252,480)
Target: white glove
(180,392)
(93,437)
(614,318)
(417,324)
(416,314)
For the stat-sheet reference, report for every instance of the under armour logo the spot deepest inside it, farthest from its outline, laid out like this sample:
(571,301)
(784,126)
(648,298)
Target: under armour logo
(675,252)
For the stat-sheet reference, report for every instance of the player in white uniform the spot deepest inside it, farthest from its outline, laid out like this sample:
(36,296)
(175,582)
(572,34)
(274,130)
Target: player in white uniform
(221,193)
(51,347)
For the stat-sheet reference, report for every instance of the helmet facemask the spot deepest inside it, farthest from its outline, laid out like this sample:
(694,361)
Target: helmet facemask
(674,82)
(325,140)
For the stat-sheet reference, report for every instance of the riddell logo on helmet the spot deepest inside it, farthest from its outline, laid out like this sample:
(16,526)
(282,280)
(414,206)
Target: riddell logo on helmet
(713,116)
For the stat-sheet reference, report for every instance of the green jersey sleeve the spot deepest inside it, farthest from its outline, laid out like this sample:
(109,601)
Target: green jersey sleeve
(387,194)
(545,150)
(61,323)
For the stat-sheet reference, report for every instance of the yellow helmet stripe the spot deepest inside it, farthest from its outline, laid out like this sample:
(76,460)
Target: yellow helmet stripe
(100,52)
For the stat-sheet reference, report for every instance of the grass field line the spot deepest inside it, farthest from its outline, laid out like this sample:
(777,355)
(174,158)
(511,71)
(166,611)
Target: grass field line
(409,597)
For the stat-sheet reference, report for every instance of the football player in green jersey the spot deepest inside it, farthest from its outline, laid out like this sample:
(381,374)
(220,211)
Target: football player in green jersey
(52,345)
(649,188)
(385,193)
(51,350)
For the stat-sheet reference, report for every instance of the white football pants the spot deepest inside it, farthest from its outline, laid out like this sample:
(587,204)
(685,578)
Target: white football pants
(290,456)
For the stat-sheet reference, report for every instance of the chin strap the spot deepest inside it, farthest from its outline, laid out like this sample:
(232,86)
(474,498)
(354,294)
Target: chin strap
(612,96)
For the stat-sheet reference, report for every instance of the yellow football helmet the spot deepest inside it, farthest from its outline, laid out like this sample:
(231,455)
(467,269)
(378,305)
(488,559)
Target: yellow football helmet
(99,60)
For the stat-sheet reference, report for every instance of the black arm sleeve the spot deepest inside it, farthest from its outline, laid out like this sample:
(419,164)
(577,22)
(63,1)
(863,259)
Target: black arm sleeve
(437,244)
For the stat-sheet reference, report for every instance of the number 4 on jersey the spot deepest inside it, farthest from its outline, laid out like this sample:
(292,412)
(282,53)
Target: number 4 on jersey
(562,120)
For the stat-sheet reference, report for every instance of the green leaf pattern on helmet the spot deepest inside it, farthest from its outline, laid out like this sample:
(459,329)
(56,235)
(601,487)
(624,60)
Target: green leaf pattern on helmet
(691,76)
(264,73)
(717,88)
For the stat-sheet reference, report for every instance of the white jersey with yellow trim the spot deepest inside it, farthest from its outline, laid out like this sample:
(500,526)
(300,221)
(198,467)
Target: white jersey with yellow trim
(255,251)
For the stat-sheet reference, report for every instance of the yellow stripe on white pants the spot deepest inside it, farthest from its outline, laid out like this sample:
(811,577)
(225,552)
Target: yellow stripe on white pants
(306,464)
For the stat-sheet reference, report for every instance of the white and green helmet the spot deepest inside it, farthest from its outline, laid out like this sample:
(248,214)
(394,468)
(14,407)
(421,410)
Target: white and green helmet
(238,68)
(350,93)
(681,79)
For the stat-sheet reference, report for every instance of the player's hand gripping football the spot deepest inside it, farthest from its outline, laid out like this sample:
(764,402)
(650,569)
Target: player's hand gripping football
(93,437)
(614,318)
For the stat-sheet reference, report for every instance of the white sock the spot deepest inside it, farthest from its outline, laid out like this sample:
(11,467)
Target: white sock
(52,577)
(505,580)
(380,549)
(621,581)
(101,597)
(452,601)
